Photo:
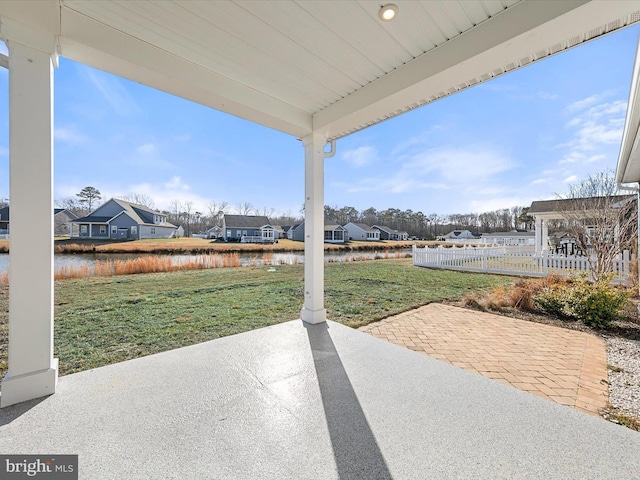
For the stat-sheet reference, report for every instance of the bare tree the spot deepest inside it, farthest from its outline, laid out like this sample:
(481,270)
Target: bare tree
(601,219)
(244,208)
(140,199)
(186,215)
(73,205)
(216,211)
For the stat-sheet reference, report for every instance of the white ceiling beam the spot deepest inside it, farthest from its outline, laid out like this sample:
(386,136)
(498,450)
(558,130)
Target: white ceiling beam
(628,167)
(93,43)
(481,50)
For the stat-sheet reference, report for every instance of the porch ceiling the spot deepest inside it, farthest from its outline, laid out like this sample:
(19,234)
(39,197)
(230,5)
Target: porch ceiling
(299,66)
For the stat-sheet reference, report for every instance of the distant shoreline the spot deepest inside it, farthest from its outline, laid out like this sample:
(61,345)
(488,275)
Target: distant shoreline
(186,246)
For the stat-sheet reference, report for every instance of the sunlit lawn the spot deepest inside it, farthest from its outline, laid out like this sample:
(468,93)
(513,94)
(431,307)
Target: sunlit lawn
(110,319)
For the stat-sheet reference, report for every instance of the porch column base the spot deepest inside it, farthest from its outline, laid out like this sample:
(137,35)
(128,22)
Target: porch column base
(313,316)
(29,385)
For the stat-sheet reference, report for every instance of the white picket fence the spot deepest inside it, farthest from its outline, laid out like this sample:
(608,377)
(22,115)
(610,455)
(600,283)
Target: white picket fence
(519,260)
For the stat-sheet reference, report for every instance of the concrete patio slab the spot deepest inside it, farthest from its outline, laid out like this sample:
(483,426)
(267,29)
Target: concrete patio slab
(324,401)
(565,366)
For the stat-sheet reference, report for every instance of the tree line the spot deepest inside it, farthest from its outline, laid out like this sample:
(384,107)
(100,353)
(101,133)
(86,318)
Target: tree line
(198,218)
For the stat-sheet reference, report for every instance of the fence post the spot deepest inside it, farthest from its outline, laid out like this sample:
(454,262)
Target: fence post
(545,257)
(484,260)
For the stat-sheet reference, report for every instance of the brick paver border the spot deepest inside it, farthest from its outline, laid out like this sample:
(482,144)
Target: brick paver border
(566,366)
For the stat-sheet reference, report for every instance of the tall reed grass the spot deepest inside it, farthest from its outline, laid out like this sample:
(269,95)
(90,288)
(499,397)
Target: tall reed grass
(156,264)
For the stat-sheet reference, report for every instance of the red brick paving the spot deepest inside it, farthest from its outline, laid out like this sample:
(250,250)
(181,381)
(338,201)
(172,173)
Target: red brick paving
(566,366)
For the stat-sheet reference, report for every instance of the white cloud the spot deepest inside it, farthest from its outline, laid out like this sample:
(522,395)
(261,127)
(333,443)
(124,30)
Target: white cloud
(595,129)
(147,149)
(113,90)
(547,96)
(177,184)
(539,181)
(570,179)
(69,134)
(149,155)
(572,157)
(444,169)
(361,156)
(584,103)
(162,193)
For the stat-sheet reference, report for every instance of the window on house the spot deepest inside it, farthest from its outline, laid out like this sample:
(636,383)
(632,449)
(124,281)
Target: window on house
(103,229)
(229,234)
(244,232)
(153,230)
(114,229)
(134,230)
(328,235)
(83,229)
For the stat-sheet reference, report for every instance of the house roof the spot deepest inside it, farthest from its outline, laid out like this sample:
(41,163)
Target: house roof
(364,227)
(459,233)
(565,204)
(512,233)
(135,211)
(92,219)
(384,229)
(333,227)
(245,221)
(390,230)
(299,66)
(69,213)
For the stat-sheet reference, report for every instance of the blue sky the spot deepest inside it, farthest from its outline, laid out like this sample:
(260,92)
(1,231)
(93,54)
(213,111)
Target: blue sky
(520,137)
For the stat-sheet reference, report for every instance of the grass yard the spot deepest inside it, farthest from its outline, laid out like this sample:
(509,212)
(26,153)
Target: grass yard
(105,320)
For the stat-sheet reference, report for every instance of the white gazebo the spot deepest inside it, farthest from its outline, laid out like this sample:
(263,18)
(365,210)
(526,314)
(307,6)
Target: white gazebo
(315,70)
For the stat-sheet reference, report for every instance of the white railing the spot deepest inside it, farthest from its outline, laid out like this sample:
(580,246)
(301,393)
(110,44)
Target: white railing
(520,260)
(256,239)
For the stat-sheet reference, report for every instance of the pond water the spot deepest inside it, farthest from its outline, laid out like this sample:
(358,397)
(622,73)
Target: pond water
(246,259)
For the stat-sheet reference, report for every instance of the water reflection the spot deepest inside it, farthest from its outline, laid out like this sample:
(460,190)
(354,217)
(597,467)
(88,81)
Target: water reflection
(246,259)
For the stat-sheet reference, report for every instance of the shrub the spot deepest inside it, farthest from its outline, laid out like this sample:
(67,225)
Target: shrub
(552,300)
(597,304)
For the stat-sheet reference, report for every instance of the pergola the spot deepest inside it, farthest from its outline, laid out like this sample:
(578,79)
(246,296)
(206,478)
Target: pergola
(315,70)
(545,211)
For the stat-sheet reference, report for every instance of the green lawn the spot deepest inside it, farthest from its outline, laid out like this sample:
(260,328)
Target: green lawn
(110,319)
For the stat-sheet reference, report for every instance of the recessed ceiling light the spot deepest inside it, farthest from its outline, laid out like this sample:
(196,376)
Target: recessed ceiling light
(388,12)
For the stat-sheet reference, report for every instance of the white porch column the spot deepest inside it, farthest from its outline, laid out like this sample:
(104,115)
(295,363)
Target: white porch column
(313,310)
(33,372)
(538,234)
(545,235)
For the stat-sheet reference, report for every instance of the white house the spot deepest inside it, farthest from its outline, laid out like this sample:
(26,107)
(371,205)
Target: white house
(459,236)
(360,231)
(514,237)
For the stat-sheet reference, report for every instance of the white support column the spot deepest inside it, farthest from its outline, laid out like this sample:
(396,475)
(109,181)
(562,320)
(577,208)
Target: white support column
(33,372)
(313,310)
(538,234)
(545,235)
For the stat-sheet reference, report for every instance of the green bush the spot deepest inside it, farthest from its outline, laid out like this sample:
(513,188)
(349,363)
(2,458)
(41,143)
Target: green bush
(553,300)
(597,304)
